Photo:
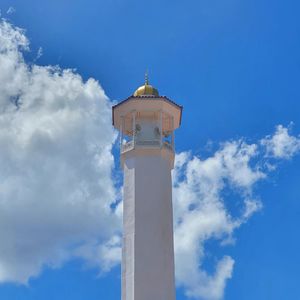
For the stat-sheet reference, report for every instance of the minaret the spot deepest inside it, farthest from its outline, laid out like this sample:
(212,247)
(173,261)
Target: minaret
(146,122)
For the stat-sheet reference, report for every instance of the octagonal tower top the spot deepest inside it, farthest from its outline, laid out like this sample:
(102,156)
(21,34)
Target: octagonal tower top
(146,122)
(146,100)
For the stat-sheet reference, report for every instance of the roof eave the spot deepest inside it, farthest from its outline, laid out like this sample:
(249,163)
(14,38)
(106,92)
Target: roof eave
(145,97)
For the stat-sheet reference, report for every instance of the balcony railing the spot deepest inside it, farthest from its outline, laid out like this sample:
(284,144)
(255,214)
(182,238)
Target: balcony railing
(145,144)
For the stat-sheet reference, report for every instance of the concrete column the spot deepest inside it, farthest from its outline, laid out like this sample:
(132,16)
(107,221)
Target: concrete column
(121,133)
(161,127)
(148,251)
(173,137)
(133,126)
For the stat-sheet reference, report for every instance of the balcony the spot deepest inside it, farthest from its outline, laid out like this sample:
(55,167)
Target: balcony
(152,144)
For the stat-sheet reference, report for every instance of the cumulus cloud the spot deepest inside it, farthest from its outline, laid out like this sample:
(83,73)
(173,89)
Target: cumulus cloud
(56,186)
(201,213)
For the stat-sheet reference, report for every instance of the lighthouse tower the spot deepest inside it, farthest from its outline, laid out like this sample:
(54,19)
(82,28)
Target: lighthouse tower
(146,122)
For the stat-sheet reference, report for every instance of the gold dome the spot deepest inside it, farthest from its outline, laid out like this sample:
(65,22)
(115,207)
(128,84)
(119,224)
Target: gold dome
(146,89)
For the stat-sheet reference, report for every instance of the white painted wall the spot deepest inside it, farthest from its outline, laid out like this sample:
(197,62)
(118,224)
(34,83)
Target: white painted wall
(149,131)
(148,251)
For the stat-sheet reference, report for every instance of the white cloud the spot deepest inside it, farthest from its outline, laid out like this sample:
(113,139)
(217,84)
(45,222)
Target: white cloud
(201,214)
(107,254)
(56,162)
(281,144)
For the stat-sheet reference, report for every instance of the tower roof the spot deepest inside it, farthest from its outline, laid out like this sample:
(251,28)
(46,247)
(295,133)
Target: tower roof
(145,99)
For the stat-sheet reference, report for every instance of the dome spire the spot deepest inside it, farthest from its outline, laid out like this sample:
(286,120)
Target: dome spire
(146,77)
(146,89)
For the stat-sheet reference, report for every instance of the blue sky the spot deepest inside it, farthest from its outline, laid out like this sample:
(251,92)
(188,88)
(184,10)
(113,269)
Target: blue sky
(235,67)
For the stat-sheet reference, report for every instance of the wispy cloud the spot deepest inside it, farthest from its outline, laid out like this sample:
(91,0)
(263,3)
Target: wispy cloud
(281,144)
(39,53)
(11,10)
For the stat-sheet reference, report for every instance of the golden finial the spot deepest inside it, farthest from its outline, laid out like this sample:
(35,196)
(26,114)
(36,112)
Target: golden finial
(146,89)
(146,78)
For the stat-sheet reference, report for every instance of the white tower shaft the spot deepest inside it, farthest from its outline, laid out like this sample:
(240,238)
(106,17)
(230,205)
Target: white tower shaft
(148,255)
